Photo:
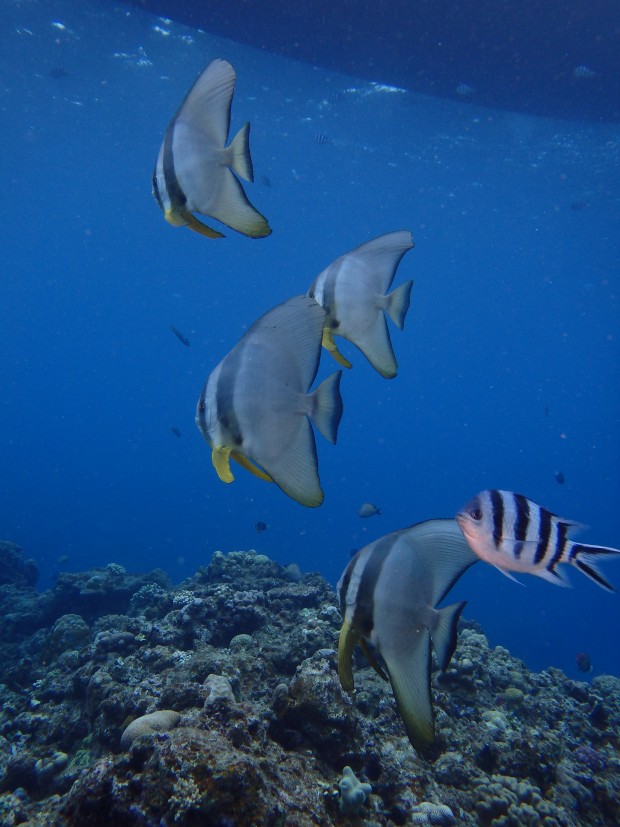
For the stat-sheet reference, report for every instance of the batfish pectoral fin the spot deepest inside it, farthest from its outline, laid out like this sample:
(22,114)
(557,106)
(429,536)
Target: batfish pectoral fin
(329,345)
(220,457)
(244,462)
(198,227)
(372,660)
(443,633)
(347,641)
(409,669)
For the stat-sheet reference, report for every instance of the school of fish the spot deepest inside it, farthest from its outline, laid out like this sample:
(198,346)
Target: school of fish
(257,407)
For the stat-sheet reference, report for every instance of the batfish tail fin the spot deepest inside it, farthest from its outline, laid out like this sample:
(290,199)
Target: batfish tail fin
(585,559)
(326,406)
(443,632)
(397,303)
(239,154)
(410,676)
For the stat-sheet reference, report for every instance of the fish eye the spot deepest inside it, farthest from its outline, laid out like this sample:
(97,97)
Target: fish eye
(476,514)
(202,406)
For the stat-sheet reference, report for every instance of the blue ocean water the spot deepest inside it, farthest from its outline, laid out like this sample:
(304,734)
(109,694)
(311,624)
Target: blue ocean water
(508,364)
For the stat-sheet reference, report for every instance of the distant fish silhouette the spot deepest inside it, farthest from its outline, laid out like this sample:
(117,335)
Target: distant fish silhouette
(464,90)
(265,180)
(584,72)
(368,510)
(321,139)
(577,206)
(175,431)
(180,336)
(584,664)
(58,72)
(261,526)
(560,478)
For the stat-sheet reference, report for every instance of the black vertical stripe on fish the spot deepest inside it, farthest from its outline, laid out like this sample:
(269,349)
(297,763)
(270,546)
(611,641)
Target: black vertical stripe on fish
(544,533)
(225,393)
(363,616)
(523,516)
(560,546)
(176,195)
(497,507)
(344,586)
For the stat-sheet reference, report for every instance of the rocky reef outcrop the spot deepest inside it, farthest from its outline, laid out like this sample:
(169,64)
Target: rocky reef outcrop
(230,680)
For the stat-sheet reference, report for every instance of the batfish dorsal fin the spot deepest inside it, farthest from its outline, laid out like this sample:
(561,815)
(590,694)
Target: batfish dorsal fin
(206,107)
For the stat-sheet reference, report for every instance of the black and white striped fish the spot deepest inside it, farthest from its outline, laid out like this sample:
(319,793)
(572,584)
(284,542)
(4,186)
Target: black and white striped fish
(515,534)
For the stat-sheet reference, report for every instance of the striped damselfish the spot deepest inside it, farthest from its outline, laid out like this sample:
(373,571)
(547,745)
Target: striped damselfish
(255,407)
(515,534)
(194,168)
(388,596)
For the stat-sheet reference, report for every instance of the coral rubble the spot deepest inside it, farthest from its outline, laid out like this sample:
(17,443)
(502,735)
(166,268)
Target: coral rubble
(129,701)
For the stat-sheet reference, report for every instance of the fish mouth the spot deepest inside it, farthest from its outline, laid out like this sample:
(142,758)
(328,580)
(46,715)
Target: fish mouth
(461,519)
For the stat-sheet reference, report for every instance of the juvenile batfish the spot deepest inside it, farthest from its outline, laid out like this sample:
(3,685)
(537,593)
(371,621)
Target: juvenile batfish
(194,169)
(353,289)
(388,595)
(514,534)
(255,406)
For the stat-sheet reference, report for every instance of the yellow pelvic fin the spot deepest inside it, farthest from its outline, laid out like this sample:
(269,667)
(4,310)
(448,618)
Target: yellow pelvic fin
(330,345)
(182,218)
(244,462)
(220,457)
(198,227)
(372,660)
(346,644)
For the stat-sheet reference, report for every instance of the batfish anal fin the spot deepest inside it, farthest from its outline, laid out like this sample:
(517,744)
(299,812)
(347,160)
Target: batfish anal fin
(220,457)
(330,346)
(409,669)
(347,642)
(244,462)
(372,660)
(443,633)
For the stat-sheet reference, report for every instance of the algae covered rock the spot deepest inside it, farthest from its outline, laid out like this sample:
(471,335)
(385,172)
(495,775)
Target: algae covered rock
(162,721)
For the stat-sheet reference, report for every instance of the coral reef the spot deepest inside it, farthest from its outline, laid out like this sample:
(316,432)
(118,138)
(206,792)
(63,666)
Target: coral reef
(230,680)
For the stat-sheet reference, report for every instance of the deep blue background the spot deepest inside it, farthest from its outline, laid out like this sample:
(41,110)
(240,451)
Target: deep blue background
(508,363)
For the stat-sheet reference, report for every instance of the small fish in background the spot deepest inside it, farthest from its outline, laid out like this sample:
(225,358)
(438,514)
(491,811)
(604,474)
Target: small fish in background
(464,90)
(577,206)
(547,410)
(175,431)
(388,595)
(256,409)
(58,72)
(293,572)
(368,510)
(321,139)
(265,180)
(180,336)
(582,659)
(515,534)
(195,170)
(353,289)
(260,526)
(560,478)
(584,72)
(63,560)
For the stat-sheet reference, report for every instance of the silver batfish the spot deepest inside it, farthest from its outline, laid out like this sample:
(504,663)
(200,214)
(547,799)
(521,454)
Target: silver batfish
(255,406)
(388,596)
(194,168)
(353,292)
